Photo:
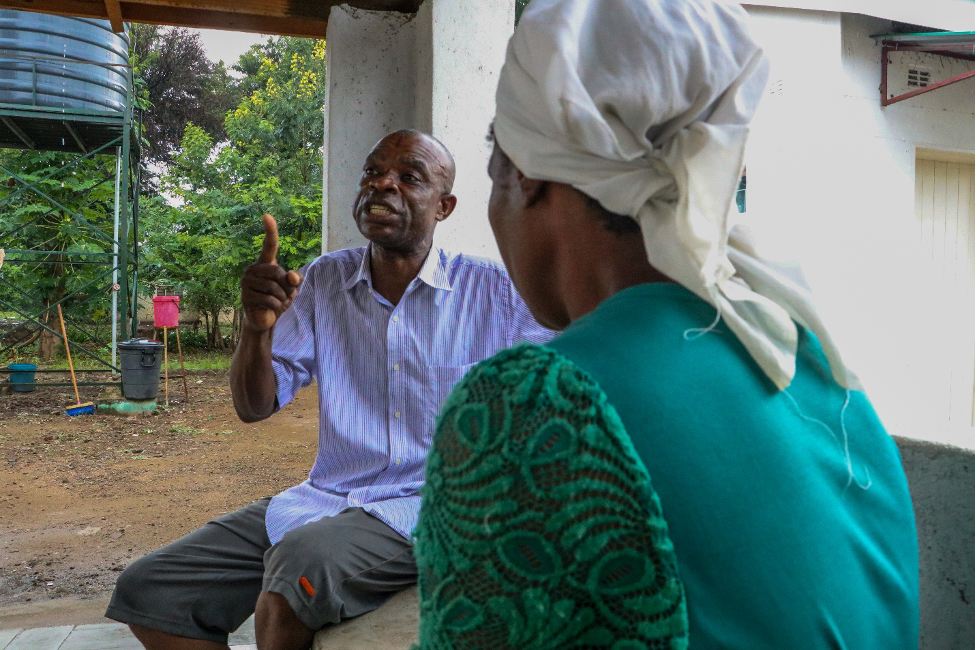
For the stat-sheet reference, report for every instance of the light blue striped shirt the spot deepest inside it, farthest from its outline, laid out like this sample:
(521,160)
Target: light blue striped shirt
(383,372)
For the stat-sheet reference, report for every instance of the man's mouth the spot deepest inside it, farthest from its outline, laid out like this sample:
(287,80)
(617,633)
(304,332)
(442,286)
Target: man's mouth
(379,210)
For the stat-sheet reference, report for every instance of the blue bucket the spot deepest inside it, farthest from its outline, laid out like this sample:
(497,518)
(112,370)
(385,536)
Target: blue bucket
(22,377)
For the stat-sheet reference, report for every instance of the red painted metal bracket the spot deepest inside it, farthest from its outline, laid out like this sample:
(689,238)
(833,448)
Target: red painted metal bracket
(942,50)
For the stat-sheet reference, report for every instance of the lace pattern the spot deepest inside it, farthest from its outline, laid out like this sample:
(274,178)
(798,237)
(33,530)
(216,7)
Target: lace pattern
(539,526)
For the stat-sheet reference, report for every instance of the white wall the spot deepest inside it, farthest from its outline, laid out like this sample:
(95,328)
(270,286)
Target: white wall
(949,15)
(832,173)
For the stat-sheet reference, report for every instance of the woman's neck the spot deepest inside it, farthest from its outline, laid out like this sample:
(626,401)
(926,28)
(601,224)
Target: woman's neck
(603,267)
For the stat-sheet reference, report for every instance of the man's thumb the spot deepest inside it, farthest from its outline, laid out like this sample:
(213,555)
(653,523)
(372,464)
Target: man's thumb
(269,248)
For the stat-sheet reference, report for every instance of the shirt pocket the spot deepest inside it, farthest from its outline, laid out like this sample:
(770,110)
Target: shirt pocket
(443,380)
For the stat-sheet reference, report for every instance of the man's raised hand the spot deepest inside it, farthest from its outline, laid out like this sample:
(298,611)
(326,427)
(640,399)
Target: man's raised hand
(267,290)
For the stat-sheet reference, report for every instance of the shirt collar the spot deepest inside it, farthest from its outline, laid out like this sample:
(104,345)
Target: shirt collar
(434,271)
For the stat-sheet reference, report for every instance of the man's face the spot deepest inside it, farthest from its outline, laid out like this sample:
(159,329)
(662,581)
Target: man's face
(402,194)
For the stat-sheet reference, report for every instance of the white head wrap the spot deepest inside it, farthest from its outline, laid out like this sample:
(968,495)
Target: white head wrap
(644,106)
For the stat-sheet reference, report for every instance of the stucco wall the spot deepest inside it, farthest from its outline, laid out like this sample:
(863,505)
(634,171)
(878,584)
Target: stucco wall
(457,103)
(371,77)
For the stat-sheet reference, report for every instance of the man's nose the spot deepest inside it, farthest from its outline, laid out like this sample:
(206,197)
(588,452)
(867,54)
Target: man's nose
(384,182)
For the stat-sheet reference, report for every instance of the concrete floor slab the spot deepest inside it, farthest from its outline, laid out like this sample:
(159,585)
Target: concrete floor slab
(100,636)
(244,635)
(104,636)
(42,638)
(6,636)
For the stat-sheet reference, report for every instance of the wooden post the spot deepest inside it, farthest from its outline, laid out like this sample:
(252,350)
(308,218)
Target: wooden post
(166,367)
(183,371)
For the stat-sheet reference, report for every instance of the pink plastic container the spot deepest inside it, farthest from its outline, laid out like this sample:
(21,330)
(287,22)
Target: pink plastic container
(166,311)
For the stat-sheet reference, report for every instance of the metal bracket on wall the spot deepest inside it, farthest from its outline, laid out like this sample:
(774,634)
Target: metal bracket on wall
(951,45)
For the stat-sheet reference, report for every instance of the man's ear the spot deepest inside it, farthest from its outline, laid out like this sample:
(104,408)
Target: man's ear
(533,190)
(446,206)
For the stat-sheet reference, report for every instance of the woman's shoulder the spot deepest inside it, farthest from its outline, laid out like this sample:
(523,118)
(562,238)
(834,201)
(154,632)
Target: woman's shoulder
(528,373)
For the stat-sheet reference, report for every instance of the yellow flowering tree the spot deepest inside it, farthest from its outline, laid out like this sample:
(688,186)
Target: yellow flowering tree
(271,162)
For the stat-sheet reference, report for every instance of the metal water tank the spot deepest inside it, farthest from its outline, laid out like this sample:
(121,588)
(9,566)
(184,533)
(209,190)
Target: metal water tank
(62,62)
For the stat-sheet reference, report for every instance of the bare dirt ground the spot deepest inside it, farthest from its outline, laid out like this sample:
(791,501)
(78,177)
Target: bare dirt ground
(82,496)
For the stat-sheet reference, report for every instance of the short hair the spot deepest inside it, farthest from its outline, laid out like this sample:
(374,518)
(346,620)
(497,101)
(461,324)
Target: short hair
(613,222)
(449,177)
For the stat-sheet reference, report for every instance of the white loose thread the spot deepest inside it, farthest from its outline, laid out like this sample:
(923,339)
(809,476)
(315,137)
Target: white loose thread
(696,332)
(844,437)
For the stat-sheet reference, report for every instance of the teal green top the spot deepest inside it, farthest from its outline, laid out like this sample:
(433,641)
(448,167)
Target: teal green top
(779,544)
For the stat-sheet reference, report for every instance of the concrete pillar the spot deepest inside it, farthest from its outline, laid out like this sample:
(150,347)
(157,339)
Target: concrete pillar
(370,92)
(435,71)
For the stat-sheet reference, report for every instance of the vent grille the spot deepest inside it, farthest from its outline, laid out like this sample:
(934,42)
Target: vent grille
(918,78)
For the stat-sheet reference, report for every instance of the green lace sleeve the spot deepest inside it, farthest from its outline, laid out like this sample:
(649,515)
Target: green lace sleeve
(539,527)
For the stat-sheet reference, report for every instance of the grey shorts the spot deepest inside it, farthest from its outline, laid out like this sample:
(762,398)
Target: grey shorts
(206,584)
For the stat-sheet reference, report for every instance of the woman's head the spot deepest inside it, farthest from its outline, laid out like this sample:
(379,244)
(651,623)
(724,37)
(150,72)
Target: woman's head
(643,106)
(564,251)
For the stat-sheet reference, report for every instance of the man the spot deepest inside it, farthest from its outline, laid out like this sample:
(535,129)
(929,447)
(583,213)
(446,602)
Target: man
(385,331)
(620,130)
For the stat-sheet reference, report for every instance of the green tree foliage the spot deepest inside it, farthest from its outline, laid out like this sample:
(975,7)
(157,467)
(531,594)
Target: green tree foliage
(70,210)
(220,165)
(179,84)
(175,84)
(206,232)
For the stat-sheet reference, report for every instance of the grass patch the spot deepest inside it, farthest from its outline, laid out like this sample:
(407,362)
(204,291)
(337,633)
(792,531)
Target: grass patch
(203,360)
(192,360)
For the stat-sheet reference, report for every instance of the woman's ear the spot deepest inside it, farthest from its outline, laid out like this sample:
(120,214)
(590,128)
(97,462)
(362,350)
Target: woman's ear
(533,191)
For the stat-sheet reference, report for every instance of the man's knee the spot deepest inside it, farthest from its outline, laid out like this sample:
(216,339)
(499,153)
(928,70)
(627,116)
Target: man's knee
(133,582)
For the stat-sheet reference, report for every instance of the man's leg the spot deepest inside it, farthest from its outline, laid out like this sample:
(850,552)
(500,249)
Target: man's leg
(327,571)
(156,640)
(276,626)
(190,594)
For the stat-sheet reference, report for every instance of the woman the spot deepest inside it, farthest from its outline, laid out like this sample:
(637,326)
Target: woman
(619,138)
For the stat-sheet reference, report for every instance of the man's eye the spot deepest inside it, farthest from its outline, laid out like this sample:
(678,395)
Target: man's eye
(409,178)
(369,171)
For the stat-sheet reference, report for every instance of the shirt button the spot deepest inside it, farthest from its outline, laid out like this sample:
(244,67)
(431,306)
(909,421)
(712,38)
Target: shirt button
(396,366)
(354,502)
(396,414)
(397,461)
(396,318)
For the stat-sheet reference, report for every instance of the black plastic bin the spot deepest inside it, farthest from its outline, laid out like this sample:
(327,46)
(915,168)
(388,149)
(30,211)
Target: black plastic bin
(141,360)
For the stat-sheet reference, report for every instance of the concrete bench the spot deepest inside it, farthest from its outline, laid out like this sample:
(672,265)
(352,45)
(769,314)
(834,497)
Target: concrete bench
(392,627)
(941,480)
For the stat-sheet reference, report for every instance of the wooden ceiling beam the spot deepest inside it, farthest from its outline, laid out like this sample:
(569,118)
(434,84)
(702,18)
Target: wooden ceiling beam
(282,17)
(114,12)
(82,8)
(227,20)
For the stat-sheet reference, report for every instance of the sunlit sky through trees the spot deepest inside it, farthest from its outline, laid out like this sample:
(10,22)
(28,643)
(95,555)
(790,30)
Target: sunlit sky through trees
(228,46)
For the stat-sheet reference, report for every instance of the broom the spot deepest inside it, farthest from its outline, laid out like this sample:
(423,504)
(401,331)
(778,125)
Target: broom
(77,408)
